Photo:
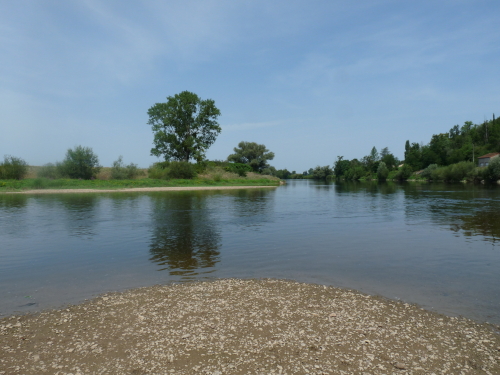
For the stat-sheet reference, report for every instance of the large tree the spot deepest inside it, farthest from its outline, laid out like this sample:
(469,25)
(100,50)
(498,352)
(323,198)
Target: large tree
(253,154)
(184,127)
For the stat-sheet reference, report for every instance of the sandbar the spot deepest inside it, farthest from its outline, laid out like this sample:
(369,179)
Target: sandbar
(235,326)
(143,189)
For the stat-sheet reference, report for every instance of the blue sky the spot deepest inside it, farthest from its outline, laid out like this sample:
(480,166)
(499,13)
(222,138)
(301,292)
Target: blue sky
(309,79)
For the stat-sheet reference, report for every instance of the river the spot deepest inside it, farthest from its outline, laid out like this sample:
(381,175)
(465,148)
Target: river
(436,245)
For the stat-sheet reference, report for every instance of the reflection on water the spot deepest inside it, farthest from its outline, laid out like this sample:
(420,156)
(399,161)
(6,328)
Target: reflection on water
(80,214)
(484,223)
(13,214)
(469,210)
(185,236)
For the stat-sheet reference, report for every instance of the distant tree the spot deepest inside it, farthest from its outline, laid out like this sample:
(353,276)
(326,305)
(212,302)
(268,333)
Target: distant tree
(321,173)
(13,168)
(404,173)
(388,158)
(341,166)
(271,171)
(382,171)
(184,127)
(374,154)
(283,174)
(80,162)
(253,154)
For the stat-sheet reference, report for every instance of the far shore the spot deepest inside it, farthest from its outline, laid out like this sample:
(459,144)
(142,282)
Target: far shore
(127,190)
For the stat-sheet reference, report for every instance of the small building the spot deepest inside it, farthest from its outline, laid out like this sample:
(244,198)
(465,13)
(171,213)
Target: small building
(484,160)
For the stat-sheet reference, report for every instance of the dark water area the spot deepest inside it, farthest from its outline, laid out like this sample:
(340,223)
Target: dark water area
(435,245)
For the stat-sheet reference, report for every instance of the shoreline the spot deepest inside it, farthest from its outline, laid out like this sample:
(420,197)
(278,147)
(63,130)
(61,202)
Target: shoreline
(236,326)
(142,189)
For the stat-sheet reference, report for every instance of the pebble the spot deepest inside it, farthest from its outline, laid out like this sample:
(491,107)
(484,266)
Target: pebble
(400,366)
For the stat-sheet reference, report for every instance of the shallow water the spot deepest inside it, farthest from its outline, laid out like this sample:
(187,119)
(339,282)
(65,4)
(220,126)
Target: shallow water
(431,244)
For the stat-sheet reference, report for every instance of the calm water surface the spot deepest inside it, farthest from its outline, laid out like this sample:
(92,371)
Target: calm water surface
(431,244)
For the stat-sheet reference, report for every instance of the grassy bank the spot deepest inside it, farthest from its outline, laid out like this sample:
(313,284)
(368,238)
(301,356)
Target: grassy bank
(41,183)
(213,176)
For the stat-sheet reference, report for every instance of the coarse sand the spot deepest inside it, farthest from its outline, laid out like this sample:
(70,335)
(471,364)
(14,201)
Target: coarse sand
(143,189)
(233,326)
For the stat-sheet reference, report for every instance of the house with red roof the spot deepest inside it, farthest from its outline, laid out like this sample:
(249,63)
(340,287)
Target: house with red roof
(484,160)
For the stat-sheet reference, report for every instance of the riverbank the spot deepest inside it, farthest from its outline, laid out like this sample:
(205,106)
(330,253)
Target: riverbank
(146,189)
(242,327)
(41,185)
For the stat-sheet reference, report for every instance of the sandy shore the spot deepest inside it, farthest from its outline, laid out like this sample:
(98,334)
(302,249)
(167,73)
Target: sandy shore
(245,327)
(146,189)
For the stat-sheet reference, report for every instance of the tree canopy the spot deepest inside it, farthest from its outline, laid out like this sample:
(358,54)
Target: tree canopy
(184,127)
(80,162)
(252,154)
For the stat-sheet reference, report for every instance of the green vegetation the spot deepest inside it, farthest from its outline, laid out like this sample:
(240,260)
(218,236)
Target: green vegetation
(13,168)
(163,174)
(45,183)
(184,127)
(122,172)
(252,154)
(382,171)
(450,156)
(80,162)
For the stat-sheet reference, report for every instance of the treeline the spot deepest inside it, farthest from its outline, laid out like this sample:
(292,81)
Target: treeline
(375,165)
(460,143)
(450,156)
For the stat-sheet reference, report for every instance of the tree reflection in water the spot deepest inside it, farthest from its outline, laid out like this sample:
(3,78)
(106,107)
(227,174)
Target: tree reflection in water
(481,223)
(186,238)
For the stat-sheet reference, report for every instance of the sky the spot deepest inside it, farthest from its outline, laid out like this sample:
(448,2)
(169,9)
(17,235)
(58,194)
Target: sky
(311,80)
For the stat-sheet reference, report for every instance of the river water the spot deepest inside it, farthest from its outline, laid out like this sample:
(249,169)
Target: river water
(432,244)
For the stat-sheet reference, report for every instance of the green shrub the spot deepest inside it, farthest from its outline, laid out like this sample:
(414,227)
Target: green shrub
(355,173)
(38,183)
(159,171)
(13,168)
(80,163)
(478,174)
(460,171)
(382,171)
(427,172)
(404,173)
(121,172)
(181,170)
(239,168)
(493,169)
(48,171)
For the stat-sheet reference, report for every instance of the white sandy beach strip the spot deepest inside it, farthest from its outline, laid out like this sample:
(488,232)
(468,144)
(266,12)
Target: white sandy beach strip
(127,190)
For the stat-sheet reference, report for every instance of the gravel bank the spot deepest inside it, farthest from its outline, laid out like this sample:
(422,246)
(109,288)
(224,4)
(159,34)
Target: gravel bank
(186,188)
(245,327)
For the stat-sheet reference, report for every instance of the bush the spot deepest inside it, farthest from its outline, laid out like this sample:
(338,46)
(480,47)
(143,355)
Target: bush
(382,171)
(159,171)
(81,162)
(493,169)
(355,173)
(121,172)
(49,171)
(478,174)
(239,168)
(427,172)
(181,169)
(404,173)
(13,168)
(460,171)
